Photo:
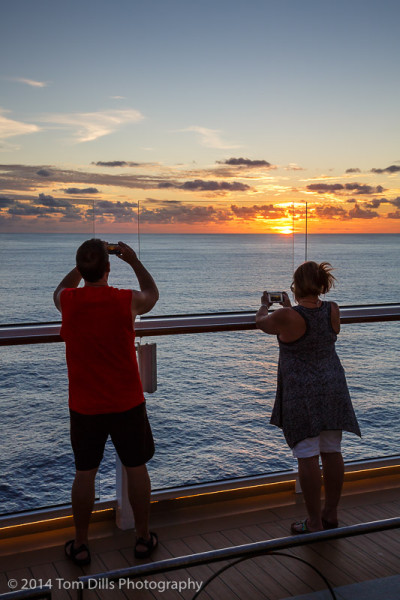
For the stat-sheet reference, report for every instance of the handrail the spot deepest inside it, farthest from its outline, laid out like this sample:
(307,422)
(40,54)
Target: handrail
(245,550)
(41,333)
(28,594)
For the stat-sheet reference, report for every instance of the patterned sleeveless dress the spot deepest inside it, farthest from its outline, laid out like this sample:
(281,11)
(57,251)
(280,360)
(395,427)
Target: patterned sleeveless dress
(312,394)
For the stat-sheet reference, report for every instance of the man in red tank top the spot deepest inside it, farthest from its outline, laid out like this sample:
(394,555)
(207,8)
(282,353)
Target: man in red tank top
(105,391)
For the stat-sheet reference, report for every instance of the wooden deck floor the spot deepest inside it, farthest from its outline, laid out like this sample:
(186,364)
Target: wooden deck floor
(40,557)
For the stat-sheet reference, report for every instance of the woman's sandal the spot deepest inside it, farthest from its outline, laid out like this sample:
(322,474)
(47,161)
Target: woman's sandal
(299,527)
(150,544)
(72,553)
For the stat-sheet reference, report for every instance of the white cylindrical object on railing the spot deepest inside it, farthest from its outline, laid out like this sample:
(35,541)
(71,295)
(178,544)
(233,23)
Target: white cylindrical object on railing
(124,516)
(147,355)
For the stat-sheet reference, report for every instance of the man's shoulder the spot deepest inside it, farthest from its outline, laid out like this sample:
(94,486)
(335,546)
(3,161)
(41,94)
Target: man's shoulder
(121,292)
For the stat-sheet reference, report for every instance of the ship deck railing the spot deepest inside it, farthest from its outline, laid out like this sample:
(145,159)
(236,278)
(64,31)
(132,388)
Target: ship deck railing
(149,326)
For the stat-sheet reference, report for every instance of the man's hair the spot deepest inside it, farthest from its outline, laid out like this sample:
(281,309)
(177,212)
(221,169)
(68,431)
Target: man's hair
(92,260)
(312,279)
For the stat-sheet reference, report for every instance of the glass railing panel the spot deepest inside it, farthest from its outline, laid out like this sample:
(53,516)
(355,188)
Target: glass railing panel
(36,462)
(366,265)
(205,257)
(210,413)
(213,423)
(216,255)
(370,354)
(38,255)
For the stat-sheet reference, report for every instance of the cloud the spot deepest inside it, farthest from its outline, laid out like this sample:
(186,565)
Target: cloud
(30,82)
(6,201)
(265,211)
(294,167)
(24,177)
(74,190)
(214,186)
(210,138)
(44,206)
(30,210)
(339,213)
(364,189)
(51,202)
(118,211)
(322,188)
(180,213)
(11,128)
(395,202)
(90,126)
(359,188)
(353,170)
(394,215)
(330,212)
(246,162)
(376,202)
(359,213)
(115,163)
(391,169)
(201,185)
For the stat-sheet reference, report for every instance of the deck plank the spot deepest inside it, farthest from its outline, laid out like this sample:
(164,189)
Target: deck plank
(114,559)
(178,547)
(4,588)
(233,577)
(384,561)
(217,588)
(20,576)
(268,572)
(288,572)
(60,588)
(224,524)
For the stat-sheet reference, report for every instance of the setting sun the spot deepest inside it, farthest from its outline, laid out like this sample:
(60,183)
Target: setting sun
(283,229)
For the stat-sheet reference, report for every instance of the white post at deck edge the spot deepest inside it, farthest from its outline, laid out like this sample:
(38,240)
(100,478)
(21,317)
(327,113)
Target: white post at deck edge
(124,517)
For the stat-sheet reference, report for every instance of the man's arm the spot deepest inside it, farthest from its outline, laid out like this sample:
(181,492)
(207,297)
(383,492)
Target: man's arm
(71,280)
(143,301)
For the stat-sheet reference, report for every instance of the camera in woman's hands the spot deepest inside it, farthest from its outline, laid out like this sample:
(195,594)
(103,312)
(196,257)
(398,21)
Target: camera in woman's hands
(275,297)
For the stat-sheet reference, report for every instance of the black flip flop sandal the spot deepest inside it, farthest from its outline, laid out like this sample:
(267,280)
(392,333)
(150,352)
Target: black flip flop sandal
(150,544)
(72,553)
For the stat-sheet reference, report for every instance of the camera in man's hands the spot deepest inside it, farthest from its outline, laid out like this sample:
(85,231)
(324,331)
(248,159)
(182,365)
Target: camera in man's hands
(275,297)
(113,249)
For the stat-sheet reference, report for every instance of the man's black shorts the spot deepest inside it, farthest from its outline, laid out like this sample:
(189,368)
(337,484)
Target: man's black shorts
(129,430)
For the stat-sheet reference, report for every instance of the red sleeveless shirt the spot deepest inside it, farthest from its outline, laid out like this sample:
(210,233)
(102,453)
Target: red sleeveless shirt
(99,336)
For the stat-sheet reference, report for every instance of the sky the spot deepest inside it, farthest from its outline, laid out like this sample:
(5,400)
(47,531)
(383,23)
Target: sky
(200,117)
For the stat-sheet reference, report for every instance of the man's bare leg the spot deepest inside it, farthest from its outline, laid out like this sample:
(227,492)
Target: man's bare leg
(83,493)
(139,489)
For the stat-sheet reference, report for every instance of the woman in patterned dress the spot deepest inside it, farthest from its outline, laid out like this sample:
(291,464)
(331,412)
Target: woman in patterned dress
(312,404)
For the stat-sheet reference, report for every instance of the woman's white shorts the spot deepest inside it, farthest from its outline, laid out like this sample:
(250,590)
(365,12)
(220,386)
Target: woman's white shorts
(326,441)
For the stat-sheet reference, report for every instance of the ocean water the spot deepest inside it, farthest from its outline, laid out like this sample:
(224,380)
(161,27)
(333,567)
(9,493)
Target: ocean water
(210,414)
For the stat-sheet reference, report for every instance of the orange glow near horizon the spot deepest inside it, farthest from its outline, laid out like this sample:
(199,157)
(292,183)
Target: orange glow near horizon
(192,215)
(233,226)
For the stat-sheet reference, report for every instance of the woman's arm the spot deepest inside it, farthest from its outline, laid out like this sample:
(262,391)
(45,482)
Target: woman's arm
(335,317)
(272,322)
